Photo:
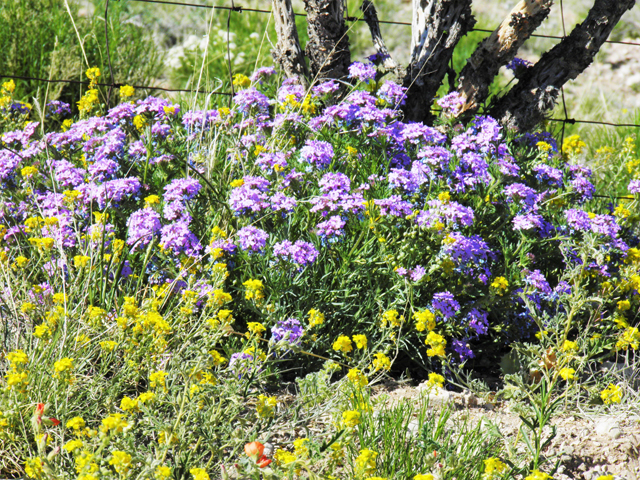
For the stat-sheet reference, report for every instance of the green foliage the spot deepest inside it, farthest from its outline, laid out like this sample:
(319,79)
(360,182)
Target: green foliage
(38,39)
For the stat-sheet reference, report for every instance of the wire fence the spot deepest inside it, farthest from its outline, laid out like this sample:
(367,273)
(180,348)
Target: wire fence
(239,9)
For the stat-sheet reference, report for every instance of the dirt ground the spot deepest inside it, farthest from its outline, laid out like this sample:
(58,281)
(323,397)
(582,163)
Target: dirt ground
(588,445)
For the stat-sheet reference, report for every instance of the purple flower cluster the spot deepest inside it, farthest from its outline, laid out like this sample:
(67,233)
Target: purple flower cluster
(317,153)
(446,304)
(301,253)
(252,239)
(363,72)
(415,274)
(288,330)
(143,225)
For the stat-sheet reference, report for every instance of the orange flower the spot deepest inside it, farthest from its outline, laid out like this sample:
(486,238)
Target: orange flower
(263,461)
(254,449)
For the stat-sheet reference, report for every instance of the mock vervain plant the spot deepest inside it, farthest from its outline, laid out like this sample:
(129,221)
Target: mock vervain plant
(162,269)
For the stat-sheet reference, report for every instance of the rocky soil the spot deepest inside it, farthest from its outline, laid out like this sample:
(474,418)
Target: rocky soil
(587,445)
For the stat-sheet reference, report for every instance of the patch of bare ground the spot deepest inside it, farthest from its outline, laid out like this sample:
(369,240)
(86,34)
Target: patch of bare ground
(587,445)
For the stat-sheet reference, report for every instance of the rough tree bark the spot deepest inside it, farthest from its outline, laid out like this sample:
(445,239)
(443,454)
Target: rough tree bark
(287,52)
(437,27)
(328,47)
(371,17)
(497,50)
(524,106)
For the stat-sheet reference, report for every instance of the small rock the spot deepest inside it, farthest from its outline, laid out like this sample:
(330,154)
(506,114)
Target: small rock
(582,467)
(566,459)
(608,428)
(413,428)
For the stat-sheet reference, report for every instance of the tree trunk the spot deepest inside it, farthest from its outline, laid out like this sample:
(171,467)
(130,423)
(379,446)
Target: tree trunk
(437,27)
(497,50)
(287,52)
(524,106)
(371,17)
(328,47)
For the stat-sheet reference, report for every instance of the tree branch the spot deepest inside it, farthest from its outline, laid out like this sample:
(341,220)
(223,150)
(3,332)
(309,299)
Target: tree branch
(497,50)
(287,53)
(437,27)
(328,46)
(524,106)
(371,17)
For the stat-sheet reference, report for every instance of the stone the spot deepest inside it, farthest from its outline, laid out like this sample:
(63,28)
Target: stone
(607,427)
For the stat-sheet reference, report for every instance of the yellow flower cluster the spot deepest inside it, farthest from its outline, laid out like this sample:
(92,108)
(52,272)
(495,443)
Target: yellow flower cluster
(630,338)
(500,284)
(392,317)
(266,406)
(301,447)
(381,362)
(282,457)
(358,378)
(425,320)
(17,376)
(343,344)
(254,290)
(315,318)
(350,418)
(437,344)
(241,81)
(366,461)
(127,91)
(256,328)
(435,380)
(611,394)
(572,145)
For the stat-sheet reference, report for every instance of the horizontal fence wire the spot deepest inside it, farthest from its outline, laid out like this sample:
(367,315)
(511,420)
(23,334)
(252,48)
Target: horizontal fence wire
(240,9)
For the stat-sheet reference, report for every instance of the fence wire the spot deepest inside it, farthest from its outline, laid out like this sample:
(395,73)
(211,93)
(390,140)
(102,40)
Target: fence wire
(239,9)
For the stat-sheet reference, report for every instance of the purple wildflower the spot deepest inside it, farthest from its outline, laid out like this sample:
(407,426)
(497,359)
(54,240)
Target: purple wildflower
(325,88)
(634,186)
(578,220)
(300,253)
(289,330)
(177,238)
(393,94)
(262,73)
(67,175)
(537,280)
(143,225)
(461,347)
(252,239)
(394,206)
(333,227)
(318,153)
(478,321)
(446,304)
(363,72)
(452,103)
(181,189)
(251,99)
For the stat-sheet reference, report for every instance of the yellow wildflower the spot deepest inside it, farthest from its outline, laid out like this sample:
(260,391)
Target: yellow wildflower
(392,317)
(120,461)
(425,320)
(199,474)
(156,379)
(108,345)
(81,261)
(72,445)
(343,344)
(630,338)
(572,145)
(33,467)
(241,81)
(162,473)
(567,373)
(63,365)
(437,344)
(256,328)
(366,461)
(76,423)
(254,289)
(494,465)
(113,422)
(127,91)
(283,457)
(350,418)
(266,406)
(381,362)
(360,341)
(301,448)
(357,377)
(500,284)
(569,346)
(435,380)
(611,394)
(139,122)
(315,317)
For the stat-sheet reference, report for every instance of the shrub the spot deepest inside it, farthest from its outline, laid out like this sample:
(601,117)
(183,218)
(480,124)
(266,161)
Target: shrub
(159,265)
